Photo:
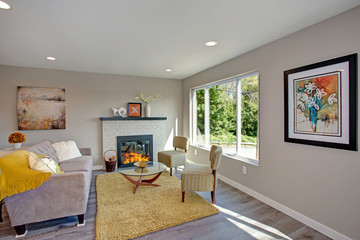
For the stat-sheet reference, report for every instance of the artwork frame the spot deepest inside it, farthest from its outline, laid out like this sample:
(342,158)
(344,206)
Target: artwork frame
(41,108)
(320,104)
(134,109)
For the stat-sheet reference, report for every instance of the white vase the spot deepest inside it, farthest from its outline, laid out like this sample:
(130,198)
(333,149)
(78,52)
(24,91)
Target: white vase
(17,146)
(147,110)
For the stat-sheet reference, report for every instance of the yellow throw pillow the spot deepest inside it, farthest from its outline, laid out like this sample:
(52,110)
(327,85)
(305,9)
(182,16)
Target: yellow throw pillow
(43,163)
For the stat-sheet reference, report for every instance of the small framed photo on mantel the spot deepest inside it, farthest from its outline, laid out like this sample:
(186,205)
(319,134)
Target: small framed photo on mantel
(321,103)
(134,109)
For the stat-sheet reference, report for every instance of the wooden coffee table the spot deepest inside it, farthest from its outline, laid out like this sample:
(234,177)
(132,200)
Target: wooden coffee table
(130,170)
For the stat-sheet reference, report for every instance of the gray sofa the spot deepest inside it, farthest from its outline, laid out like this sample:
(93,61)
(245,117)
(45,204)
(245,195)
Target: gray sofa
(61,196)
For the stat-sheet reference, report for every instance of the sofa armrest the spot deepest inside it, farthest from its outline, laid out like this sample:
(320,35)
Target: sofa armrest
(85,151)
(63,195)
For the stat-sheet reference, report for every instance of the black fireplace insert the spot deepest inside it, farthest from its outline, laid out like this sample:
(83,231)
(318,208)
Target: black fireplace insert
(134,144)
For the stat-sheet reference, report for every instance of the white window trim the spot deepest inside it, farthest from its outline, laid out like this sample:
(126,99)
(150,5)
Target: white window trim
(192,114)
(207,116)
(250,161)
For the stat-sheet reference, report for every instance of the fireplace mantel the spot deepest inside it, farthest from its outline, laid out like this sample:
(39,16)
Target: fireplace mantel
(131,118)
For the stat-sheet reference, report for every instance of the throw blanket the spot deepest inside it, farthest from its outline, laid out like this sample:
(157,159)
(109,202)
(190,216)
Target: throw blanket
(16,175)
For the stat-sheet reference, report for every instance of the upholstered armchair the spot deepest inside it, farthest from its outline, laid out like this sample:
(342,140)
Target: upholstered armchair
(177,157)
(202,177)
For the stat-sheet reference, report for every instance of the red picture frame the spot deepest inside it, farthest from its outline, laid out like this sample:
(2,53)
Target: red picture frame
(134,109)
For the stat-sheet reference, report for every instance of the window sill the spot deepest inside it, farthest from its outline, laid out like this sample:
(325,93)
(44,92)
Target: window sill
(250,161)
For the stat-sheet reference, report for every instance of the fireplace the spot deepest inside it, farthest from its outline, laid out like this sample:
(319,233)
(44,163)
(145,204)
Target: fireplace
(134,145)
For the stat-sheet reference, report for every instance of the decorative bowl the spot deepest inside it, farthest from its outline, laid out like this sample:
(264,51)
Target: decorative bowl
(141,164)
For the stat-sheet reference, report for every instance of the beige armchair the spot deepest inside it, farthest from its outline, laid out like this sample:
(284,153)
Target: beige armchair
(202,177)
(177,157)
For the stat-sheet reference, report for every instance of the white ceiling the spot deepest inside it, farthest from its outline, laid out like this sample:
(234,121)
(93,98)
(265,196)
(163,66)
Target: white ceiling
(144,37)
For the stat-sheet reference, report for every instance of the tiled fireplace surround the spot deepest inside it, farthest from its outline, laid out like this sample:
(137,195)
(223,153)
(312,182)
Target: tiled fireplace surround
(113,127)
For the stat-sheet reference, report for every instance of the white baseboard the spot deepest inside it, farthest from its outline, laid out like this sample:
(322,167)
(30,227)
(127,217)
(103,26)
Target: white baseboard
(98,167)
(292,213)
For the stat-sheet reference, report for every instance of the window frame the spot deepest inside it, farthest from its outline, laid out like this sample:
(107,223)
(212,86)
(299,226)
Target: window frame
(193,116)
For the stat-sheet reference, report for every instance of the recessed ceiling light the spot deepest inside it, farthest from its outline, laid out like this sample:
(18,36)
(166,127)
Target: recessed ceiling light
(211,43)
(51,58)
(168,70)
(4,5)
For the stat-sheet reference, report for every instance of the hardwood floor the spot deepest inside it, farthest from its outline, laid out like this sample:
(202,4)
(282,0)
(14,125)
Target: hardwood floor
(241,217)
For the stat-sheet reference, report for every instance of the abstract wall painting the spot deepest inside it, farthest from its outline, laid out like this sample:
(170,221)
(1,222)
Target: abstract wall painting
(321,103)
(40,108)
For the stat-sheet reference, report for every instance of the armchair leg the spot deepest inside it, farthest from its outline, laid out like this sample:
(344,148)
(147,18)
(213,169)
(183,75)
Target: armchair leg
(183,196)
(20,231)
(170,171)
(213,197)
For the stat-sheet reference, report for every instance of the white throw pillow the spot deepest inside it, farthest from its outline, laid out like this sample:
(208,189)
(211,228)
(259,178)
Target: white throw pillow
(66,150)
(43,163)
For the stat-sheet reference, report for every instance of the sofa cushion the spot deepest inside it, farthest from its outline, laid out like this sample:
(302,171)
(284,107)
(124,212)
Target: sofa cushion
(83,163)
(43,163)
(66,150)
(45,148)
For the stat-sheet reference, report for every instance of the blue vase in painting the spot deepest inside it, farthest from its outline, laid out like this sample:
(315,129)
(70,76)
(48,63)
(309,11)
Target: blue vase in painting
(313,118)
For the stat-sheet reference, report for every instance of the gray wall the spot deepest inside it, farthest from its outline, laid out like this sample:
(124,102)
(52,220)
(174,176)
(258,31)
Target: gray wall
(88,97)
(320,183)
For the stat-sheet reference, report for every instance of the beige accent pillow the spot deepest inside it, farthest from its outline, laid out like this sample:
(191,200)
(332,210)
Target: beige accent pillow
(43,163)
(66,150)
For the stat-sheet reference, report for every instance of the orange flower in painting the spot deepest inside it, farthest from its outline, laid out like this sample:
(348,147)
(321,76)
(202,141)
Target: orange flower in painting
(16,137)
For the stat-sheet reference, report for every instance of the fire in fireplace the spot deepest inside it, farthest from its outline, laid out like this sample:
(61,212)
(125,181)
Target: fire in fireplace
(134,148)
(135,157)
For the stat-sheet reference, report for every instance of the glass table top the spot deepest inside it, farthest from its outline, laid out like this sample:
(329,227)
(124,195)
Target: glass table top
(131,170)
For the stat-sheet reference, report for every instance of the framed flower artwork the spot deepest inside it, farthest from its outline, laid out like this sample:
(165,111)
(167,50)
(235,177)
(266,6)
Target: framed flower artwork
(134,109)
(321,103)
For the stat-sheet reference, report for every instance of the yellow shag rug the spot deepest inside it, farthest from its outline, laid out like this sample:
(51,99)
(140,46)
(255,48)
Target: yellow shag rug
(124,215)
